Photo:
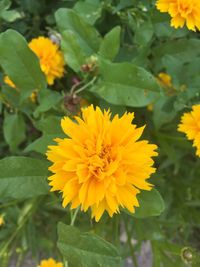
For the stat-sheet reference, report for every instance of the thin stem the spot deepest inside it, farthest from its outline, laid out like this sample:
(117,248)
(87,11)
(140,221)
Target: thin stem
(85,86)
(130,244)
(73,217)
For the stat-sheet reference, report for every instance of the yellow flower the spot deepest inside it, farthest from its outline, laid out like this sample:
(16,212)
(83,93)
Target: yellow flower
(50,263)
(182,11)
(2,222)
(101,165)
(190,125)
(8,81)
(51,58)
(165,79)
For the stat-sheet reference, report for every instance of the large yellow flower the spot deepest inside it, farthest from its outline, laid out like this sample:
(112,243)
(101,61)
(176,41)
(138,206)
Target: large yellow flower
(182,11)
(51,58)
(50,263)
(190,125)
(101,164)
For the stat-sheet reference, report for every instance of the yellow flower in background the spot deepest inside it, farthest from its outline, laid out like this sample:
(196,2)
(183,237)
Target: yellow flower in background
(50,263)
(51,58)
(101,164)
(165,79)
(190,125)
(2,222)
(182,12)
(8,81)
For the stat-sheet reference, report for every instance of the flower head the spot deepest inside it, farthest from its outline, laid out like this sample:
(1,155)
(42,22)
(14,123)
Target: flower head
(190,125)
(50,263)
(182,11)
(51,58)
(101,165)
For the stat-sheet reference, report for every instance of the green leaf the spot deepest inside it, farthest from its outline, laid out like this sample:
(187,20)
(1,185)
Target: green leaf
(151,204)
(126,84)
(90,11)
(23,177)
(8,15)
(74,56)
(51,129)
(20,63)
(144,33)
(14,130)
(111,44)
(47,99)
(87,36)
(86,249)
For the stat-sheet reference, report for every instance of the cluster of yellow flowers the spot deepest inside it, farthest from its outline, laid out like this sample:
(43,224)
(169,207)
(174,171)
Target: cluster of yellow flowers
(101,164)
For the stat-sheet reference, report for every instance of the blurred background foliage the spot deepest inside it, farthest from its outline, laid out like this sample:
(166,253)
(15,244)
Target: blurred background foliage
(114,53)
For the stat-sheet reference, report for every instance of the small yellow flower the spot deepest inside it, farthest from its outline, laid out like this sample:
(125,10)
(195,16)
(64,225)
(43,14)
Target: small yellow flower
(182,12)
(2,222)
(8,81)
(50,263)
(165,79)
(51,58)
(101,164)
(190,125)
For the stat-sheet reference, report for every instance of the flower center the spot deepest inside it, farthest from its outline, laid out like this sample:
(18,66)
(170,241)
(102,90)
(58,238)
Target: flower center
(99,163)
(185,8)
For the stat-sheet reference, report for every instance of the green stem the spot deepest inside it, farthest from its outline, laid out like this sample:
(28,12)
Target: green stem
(130,244)
(73,216)
(23,221)
(85,86)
